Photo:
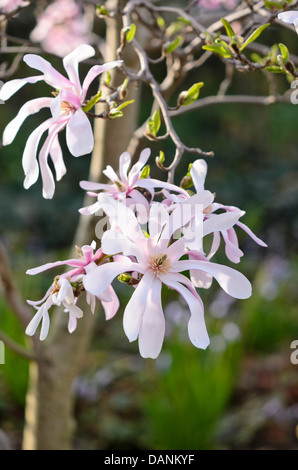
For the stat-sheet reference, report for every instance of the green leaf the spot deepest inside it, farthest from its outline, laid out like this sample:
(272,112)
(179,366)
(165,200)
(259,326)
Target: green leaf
(154,123)
(184,20)
(129,32)
(123,105)
(92,102)
(275,69)
(284,52)
(145,172)
(218,49)
(230,32)
(161,22)
(273,5)
(187,97)
(172,46)
(254,36)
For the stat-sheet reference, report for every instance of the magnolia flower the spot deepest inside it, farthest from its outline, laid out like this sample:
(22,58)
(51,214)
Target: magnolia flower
(291,17)
(153,261)
(126,185)
(66,109)
(66,289)
(61,292)
(228,218)
(61,28)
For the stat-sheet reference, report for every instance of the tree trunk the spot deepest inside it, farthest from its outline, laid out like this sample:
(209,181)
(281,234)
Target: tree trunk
(49,423)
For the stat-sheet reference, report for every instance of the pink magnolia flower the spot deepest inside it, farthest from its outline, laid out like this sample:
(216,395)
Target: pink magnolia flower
(61,28)
(66,110)
(126,185)
(153,261)
(66,289)
(7,6)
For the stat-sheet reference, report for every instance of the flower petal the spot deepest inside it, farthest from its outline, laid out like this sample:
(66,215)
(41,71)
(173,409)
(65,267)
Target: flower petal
(95,71)
(111,307)
(218,222)
(31,107)
(231,281)
(50,75)
(79,134)
(133,313)
(152,330)
(198,173)
(197,331)
(11,87)
(71,61)
(100,278)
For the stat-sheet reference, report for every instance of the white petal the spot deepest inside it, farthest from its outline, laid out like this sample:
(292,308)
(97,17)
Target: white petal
(197,331)
(152,329)
(124,164)
(100,278)
(50,75)
(233,282)
(288,16)
(79,134)
(134,310)
(11,87)
(198,173)
(31,107)
(97,70)
(111,307)
(71,61)
(218,222)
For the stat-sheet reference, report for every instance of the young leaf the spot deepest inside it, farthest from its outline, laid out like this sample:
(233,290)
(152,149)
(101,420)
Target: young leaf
(284,52)
(92,102)
(172,46)
(129,32)
(187,97)
(145,172)
(154,124)
(230,32)
(254,36)
(123,105)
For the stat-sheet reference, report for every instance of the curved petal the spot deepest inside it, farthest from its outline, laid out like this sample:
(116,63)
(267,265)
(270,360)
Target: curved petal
(231,281)
(71,61)
(79,134)
(89,186)
(114,242)
(197,330)
(251,234)
(11,87)
(152,330)
(57,158)
(218,222)
(289,16)
(136,168)
(133,313)
(31,107)
(111,307)
(50,75)
(110,173)
(95,71)
(100,278)
(124,164)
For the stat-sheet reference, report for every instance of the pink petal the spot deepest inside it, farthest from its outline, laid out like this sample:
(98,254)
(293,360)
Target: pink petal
(124,164)
(88,186)
(111,307)
(79,134)
(152,329)
(57,158)
(136,168)
(251,234)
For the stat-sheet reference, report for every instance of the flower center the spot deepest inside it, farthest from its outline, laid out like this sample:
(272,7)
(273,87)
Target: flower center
(159,264)
(67,108)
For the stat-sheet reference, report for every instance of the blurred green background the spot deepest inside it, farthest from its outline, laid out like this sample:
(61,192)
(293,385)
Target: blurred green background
(241,393)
